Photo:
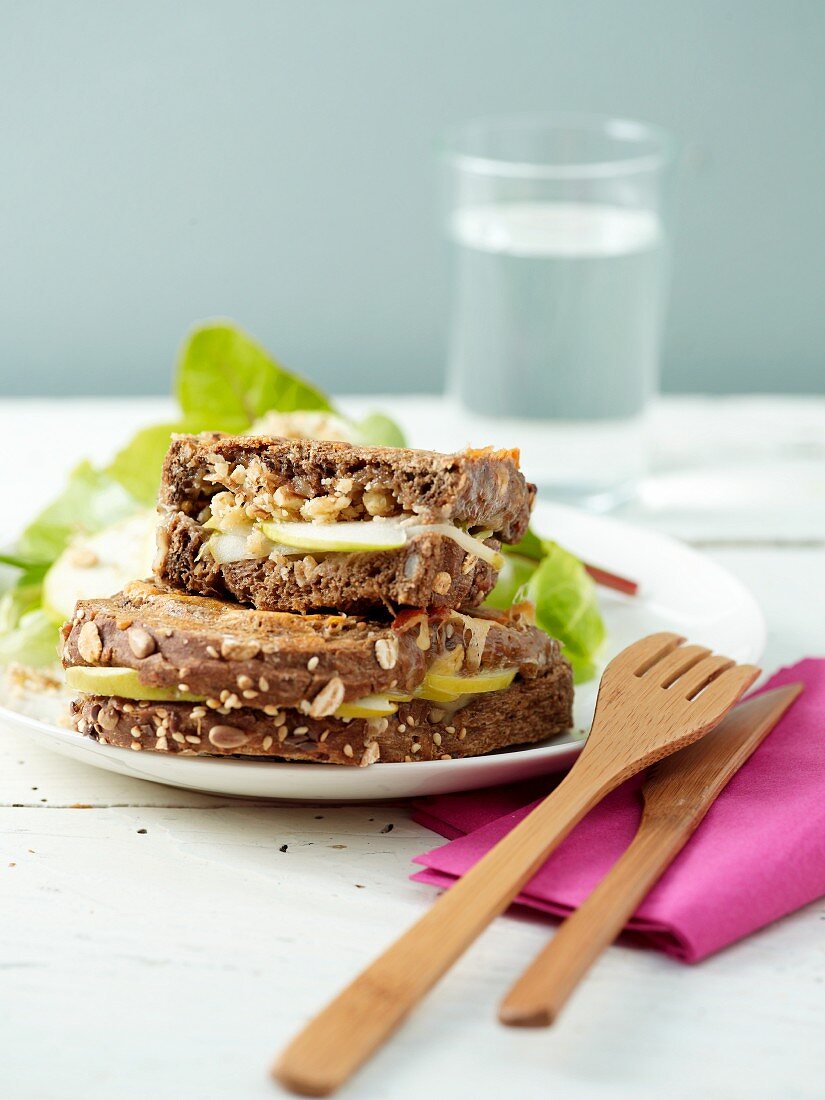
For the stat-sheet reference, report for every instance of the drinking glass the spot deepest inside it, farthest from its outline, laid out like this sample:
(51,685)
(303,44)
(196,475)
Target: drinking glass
(558,227)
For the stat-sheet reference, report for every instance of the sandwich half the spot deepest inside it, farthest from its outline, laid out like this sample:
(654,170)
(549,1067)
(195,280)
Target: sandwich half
(308,525)
(160,671)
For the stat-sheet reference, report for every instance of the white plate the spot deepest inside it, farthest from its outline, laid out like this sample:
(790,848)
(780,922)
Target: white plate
(679,590)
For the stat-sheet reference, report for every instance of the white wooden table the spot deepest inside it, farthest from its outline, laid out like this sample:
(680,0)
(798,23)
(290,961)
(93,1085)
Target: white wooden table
(159,944)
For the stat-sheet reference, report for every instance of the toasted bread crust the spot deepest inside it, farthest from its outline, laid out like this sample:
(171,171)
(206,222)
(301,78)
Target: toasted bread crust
(529,711)
(354,583)
(474,487)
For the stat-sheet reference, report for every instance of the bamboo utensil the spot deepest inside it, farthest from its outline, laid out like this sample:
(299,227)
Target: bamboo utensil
(677,795)
(655,697)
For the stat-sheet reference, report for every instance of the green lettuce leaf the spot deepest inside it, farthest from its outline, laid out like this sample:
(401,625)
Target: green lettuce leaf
(378,430)
(24,596)
(531,546)
(567,608)
(90,501)
(565,598)
(512,577)
(33,570)
(137,466)
(225,380)
(28,635)
(33,641)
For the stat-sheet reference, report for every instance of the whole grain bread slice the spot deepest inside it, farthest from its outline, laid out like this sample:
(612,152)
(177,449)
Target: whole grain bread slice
(528,711)
(480,488)
(262,659)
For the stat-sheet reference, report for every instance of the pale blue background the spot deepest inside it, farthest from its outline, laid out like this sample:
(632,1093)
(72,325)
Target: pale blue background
(271,160)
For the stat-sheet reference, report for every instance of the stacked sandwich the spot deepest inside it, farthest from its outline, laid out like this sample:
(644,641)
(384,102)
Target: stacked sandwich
(319,601)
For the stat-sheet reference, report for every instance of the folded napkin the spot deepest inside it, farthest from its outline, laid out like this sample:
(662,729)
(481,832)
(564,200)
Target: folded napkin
(758,855)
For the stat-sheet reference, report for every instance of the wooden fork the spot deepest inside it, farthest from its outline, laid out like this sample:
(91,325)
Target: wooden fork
(655,697)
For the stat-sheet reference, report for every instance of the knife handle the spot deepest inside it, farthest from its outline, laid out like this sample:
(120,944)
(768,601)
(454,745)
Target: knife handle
(541,992)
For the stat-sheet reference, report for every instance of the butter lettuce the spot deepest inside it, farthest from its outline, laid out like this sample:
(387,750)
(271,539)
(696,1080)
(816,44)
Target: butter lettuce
(91,500)
(225,380)
(136,467)
(378,430)
(28,639)
(567,607)
(564,595)
(28,635)
(35,570)
(531,547)
(512,578)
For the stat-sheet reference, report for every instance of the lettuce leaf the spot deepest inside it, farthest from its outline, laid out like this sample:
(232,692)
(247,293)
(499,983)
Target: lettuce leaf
(33,569)
(531,546)
(563,592)
(28,634)
(225,380)
(32,640)
(512,577)
(90,501)
(137,466)
(567,608)
(378,430)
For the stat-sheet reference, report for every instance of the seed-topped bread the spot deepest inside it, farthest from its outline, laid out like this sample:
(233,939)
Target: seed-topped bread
(301,525)
(177,672)
(483,488)
(284,659)
(529,711)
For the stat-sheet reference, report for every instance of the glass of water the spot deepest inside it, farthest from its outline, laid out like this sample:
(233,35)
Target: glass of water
(558,226)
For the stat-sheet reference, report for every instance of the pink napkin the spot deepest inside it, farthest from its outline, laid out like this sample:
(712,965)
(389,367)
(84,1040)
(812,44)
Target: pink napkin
(758,855)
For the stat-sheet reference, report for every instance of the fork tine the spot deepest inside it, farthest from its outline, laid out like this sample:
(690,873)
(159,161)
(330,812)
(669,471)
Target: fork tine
(728,685)
(701,674)
(670,668)
(644,654)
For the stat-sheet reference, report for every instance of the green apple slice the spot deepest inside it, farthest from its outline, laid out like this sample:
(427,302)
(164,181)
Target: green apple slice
(337,537)
(442,687)
(124,682)
(368,706)
(228,547)
(424,691)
